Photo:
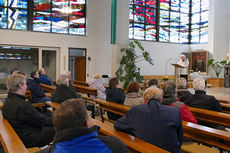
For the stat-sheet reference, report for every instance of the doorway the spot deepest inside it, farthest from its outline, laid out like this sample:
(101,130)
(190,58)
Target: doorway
(77,64)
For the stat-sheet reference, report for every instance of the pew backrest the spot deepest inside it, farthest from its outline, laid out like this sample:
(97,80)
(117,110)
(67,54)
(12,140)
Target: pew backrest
(80,83)
(211,116)
(85,90)
(9,139)
(47,88)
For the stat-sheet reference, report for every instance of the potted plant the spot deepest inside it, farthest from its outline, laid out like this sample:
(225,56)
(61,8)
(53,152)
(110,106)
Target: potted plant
(128,71)
(217,67)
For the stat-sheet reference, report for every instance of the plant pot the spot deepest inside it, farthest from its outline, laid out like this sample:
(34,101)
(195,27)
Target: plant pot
(215,82)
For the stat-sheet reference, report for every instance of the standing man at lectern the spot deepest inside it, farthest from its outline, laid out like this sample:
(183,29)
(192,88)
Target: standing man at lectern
(185,63)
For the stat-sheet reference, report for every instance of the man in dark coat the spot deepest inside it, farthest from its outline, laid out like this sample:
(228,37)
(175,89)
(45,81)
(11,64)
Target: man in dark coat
(116,95)
(63,91)
(43,77)
(33,83)
(153,122)
(32,127)
(200,99)
(76,133)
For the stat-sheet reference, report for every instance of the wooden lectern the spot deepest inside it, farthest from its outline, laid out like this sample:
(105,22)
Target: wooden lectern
(176,70)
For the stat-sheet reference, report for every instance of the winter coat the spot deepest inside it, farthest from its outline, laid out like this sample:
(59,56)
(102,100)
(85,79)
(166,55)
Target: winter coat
(33,84)
(44,79)
(133,99)
(97,84)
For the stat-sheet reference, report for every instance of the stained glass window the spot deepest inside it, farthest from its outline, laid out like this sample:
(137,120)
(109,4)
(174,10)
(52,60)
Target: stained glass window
(180,21)
(58,16)
(142,19)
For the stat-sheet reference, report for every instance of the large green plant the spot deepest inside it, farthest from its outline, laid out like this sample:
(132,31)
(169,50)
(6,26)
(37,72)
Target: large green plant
(128,71)
(217,66)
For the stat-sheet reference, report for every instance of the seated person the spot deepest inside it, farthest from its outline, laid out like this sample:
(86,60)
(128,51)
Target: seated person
(153,82)
(43,77)
(182,92)
(33,84)
(32,127)
(153,122)
(76,133)
(203,101)
(169,98)
(132,95)
(114,94)
(200,99)
(63,91)
(96,83)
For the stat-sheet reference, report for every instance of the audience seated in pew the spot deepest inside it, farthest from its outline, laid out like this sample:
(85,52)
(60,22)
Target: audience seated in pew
(170,99)
(33,128)
(33,84)
(201,100)
(76,133)
(132,95)
(114,94)
(43,78)
(96,83)
(153,122)
(63,91)
(182,92)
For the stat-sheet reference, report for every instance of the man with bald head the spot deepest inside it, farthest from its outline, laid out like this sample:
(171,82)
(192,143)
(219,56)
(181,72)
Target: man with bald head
(153,122)
(184,63)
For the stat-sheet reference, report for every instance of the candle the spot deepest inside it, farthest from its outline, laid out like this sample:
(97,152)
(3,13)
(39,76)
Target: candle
(227,58)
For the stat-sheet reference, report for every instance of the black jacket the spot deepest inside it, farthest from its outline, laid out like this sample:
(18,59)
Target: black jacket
(182,94)
(201,100)
(155,123)
(115,95)
(62,93)
(85,140)
(24,118)
(33,84)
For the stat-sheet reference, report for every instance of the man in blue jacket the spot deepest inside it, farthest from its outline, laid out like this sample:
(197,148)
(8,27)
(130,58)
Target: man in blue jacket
(153,122)
(43,77)
(76,133)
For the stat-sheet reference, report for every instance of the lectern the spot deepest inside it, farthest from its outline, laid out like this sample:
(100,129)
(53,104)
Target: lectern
(176,70)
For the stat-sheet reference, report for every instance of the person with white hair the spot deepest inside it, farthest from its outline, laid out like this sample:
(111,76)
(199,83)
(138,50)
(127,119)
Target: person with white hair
(153,122)
(200,99)
(185,63)
(63,90)
(96,83)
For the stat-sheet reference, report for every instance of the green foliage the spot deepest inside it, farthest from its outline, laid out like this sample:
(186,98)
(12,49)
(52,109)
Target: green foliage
(128,71)
(217,66)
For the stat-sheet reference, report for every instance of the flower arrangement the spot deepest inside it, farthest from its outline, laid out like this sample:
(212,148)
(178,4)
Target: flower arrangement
(165,78)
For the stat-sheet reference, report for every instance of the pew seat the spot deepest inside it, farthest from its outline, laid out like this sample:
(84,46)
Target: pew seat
(191,147)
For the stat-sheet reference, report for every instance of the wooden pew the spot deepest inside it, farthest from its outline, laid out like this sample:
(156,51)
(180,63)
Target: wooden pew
(209,116)
(47,88)
(85,90)
(29,97)
(203,134)
(134,144)
(81,83)
(225,108)
(9,139)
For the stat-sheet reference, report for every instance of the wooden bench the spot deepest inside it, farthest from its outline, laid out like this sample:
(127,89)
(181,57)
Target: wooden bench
(209,116)
(81,83)
(133,143)
(225,108)
(47,88)
(29,97)
(9,139)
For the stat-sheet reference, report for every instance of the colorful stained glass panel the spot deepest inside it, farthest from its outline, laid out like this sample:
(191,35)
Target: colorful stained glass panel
(42,5)
(42,21)
(131,13)
(184,6)
(139,31)
(77,25)
(164,34)
(151,3)
(3,17)
(164,17)
(164,4)
(195,36)
(195,6)
(174,35)
(59,23)
(175,5)
(150,16)
(18,3)
(150,33)
(183,37)
(204,5)
(3,2)
(204,35)
(131,31)
(139,2)
(139,14)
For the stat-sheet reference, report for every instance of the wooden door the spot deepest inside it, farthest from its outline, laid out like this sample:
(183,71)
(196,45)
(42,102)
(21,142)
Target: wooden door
(80,69)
